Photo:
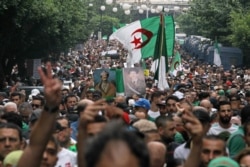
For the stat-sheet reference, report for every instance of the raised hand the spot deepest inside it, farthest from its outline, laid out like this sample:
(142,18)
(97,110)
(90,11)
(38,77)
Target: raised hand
(52,86)
(91,111)
(193,126)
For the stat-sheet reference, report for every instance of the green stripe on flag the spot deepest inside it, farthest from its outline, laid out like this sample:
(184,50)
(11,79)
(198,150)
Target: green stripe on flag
(170,34)
(119,81)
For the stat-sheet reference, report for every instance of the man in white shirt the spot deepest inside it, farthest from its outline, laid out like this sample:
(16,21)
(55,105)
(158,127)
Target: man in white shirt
(223,125)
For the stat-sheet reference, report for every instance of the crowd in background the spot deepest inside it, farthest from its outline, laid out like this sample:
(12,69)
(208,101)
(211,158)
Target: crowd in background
(201,120)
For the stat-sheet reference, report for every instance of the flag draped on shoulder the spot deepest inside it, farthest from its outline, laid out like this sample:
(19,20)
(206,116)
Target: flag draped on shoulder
(140,36)
(176,64)
(217,59)
(160,56)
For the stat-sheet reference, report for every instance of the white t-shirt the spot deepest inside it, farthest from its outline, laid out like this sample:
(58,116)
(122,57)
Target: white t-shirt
(66,158)
(153,114)
(181,152)
(216,129)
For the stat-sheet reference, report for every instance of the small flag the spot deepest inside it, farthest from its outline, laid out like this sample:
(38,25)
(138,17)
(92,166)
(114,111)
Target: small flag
(217,60)
(176,64)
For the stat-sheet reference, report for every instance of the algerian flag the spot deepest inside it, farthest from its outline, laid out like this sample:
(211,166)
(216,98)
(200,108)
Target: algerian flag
(176,64)
(139,38)
(217,60)
(161,57)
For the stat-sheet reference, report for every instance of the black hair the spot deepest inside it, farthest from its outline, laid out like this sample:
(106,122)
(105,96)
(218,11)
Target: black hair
(39,97)
(215,137)
(116,131)
(10,125)
(202,115)
(203,95)
(156,94)
(16,94)
(247,94)
(222,103)
(162,120)
(69,96)
(172,97)
(14,118)
(245,114)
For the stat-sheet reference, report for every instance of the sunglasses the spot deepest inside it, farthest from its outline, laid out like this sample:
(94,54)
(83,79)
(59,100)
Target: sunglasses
(35,105)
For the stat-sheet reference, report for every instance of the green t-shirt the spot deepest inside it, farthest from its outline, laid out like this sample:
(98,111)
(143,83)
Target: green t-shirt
(73,148)
(178,138)
(236,142)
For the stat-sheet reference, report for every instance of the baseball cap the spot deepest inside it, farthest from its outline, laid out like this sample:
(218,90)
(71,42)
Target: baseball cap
(223,162)
(141,102)
(35,92)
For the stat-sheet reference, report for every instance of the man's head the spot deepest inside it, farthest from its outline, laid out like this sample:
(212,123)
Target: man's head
(202,115)
(141,108)
(171,104)
(117,146)
(149,129)
(96,126)
(166,128)
(212,147)
(10,138)
(63,131)
(224,112)
(10,107)
(50,158)
(25,111)
(157,152)
(16,97)
(206,104)
(37,102)
(157,97)
(70,102)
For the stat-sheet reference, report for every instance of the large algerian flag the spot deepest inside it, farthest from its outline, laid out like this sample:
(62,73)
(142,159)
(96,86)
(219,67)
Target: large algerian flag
(176,64)
(139,38)
(217,60)
(161,56)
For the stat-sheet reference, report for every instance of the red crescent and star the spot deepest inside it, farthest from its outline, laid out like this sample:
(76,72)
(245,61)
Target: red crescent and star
(137,41)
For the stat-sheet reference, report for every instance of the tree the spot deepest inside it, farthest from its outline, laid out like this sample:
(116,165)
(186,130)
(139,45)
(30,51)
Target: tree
(35,29)
(209,18)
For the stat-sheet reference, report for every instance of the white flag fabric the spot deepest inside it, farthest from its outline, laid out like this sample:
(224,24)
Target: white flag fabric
(217,60)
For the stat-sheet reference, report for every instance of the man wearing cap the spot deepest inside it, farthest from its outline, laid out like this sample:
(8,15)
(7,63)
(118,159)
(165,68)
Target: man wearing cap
(141,108)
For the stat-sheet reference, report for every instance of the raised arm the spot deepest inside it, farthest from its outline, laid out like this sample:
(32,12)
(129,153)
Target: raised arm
(43,129)
(194,127)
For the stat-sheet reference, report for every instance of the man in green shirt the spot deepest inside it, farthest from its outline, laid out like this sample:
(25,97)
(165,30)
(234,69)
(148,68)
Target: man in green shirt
(236,141)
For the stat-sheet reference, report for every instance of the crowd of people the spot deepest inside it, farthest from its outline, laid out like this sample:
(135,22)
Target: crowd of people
(202,120)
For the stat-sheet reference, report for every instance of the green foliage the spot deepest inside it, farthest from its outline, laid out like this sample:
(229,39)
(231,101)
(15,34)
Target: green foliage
(240,25)
(209,18)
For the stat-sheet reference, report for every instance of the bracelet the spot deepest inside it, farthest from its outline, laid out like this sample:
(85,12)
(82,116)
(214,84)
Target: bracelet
(51,109)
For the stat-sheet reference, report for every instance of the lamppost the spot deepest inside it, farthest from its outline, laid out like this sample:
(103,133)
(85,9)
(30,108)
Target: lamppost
(102,8)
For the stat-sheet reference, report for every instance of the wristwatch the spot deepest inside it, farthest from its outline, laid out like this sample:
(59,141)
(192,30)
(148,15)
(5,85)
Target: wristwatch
(51,109)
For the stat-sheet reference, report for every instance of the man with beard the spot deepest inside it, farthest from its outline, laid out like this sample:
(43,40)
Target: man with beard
(167,131)
(223,125)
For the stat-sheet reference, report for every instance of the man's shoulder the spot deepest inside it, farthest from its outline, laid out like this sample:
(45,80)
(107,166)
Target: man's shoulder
(65,152)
